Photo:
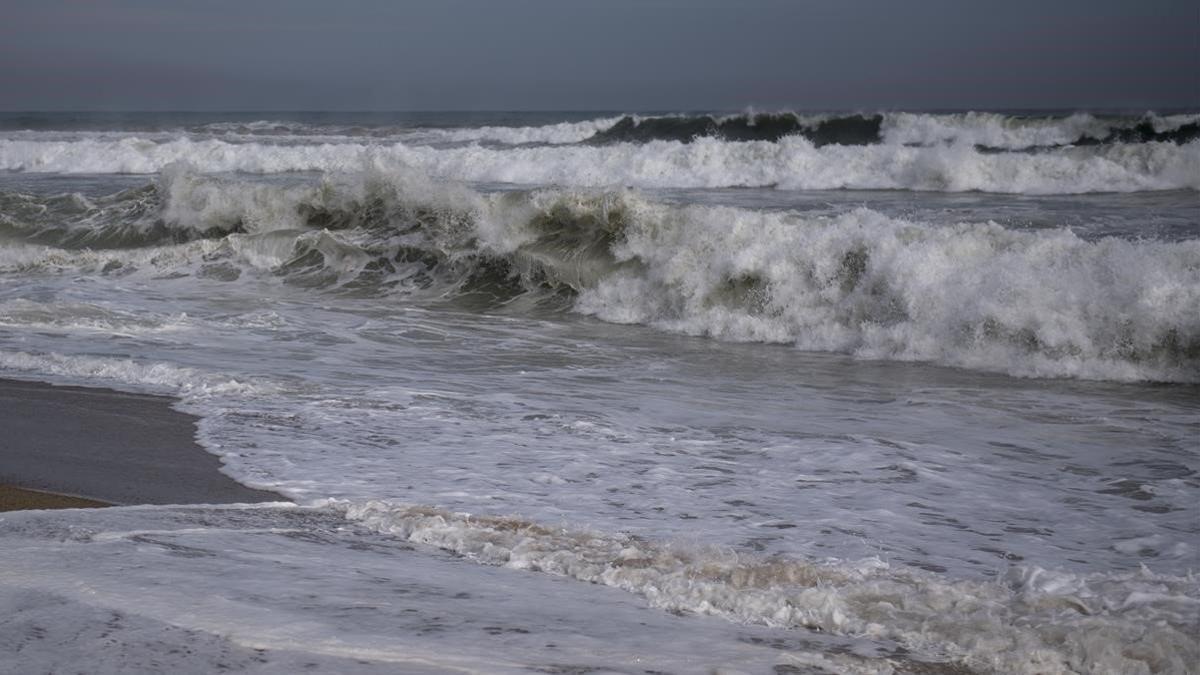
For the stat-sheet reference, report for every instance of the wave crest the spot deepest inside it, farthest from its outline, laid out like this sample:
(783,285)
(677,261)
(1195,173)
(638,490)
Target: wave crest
(1040,303)
(793,162)
(849,130)
(985,131)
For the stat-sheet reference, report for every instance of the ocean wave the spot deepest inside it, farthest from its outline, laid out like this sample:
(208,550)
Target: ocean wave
(289,131)
(551,134)
(1036,303)
(973,295)
(989,131)
(1030,621)
(792,163)
(266,127)
(992,131)
(827,130)
(1007,132)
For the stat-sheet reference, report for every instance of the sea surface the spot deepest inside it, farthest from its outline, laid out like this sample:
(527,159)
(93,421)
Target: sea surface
(602,392)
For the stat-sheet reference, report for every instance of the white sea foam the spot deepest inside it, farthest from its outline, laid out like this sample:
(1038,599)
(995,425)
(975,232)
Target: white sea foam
(973,295)
(791,163)
(199,203)
(156,377)
(1033,621)
(1172,122)
(83,317)
(278,589)
(556,133)
(24,258)
(994,130)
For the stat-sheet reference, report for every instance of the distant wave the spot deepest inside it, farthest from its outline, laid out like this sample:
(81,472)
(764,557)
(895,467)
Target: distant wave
(987,131)
(551,134)
(976,295)
(793,162)
(849,130)
(996,131)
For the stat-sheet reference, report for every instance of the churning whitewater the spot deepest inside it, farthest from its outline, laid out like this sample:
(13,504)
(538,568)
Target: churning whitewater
(970,294)
(855,393)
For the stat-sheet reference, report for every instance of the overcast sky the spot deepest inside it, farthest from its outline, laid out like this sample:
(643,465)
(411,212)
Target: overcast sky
(597,54)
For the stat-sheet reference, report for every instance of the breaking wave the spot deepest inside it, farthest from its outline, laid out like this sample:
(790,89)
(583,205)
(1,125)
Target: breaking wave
(549,134)
(851,130)
(793,162)
(1038,303)
(1031,620)
(552,134)
(988,131)
(1006,132)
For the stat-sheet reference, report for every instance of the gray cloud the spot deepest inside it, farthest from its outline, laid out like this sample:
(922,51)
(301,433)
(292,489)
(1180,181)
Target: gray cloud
(579,54)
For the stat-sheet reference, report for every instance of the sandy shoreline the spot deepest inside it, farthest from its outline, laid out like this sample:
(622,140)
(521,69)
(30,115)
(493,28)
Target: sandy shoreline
(19,499)
(69,447)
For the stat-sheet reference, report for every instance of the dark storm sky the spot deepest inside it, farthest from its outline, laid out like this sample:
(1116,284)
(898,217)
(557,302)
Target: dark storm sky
(601,54)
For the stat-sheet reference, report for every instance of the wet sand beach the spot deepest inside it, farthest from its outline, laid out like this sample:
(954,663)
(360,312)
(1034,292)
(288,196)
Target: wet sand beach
(72,447)
(17,499)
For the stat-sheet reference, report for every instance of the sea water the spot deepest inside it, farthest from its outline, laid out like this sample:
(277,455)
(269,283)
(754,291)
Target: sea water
(575,392)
